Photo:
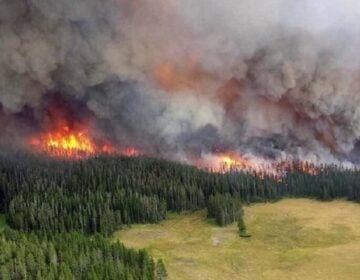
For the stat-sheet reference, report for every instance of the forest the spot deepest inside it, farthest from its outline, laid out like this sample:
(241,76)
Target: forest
(62,212)
(70,256)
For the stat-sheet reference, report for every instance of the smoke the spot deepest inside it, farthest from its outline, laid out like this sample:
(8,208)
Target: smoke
(269,78)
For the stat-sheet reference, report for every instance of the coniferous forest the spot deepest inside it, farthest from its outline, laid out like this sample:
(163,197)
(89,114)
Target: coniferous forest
(70,256)
(61,213)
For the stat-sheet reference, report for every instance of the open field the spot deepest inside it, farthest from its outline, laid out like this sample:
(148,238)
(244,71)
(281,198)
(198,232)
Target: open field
(291,239)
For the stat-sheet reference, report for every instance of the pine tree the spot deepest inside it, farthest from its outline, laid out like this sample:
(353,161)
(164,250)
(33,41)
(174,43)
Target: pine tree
(242,227)
(161,273)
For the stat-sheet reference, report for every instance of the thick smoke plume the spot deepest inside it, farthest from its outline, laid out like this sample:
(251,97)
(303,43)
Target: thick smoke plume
(185,78)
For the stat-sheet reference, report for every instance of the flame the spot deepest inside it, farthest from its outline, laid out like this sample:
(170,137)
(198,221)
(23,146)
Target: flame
(308,168)
(66,142)
(226,162)
(75,144)
(131,152)
(67,133)
(233,162)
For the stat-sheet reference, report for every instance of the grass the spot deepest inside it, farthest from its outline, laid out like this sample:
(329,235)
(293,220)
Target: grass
(2,222)
(290,239)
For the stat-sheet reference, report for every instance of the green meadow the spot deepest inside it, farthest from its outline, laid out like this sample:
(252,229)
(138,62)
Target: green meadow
(291,239)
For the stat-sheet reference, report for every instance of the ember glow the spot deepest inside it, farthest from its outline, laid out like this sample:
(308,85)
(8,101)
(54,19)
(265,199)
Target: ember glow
(131,152)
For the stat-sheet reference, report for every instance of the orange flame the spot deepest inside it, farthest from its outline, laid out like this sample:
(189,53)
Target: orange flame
(66,142)
(228,162)
(75,144)
(131,152)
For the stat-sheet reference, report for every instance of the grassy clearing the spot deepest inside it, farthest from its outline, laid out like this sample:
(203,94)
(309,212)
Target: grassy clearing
(291,239)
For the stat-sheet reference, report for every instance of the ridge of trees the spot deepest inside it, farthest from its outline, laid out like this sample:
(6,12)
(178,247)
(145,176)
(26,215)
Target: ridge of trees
(104,194)
(52,203)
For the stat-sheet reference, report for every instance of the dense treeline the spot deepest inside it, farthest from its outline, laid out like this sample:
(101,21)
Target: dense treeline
(330,182)
(69,256)
(224,208)
(102,194)
(48,200)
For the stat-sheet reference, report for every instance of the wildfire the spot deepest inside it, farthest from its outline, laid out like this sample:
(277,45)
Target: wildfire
(131,152)
(232,162)
(235,162)
(66,142)
(76,144)
(226,162)
(308,168)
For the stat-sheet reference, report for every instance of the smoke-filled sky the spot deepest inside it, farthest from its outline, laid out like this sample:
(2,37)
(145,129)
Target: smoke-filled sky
(272,78)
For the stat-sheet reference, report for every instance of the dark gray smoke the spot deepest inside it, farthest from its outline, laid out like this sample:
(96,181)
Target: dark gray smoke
(271,78)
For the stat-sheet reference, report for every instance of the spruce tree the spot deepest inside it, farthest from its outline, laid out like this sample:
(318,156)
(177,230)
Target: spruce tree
(161,273)
(242,227)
